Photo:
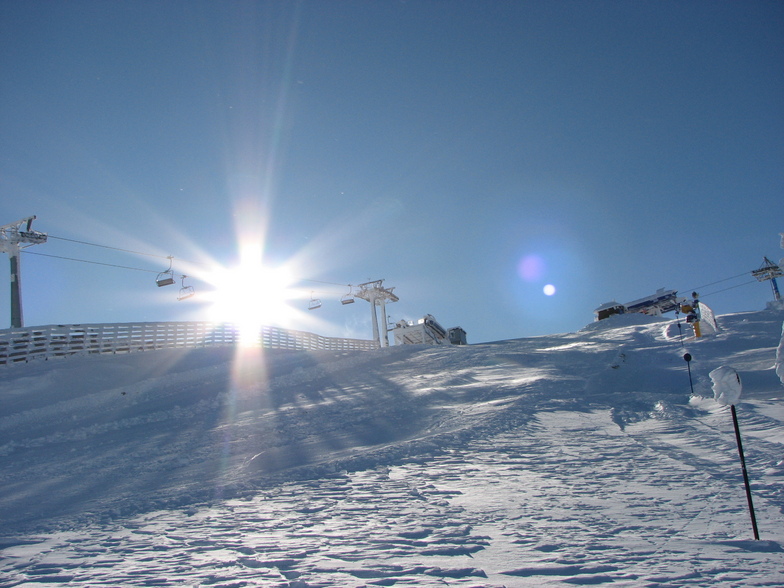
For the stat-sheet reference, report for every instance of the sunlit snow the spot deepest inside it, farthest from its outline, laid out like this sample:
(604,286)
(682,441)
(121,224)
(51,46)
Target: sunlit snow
(580,458)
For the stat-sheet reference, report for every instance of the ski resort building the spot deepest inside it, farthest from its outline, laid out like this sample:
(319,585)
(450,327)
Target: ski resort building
(655,305)
(427,331)
(697,313)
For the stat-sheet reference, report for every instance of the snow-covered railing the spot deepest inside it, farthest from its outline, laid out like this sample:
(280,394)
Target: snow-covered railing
(25,344)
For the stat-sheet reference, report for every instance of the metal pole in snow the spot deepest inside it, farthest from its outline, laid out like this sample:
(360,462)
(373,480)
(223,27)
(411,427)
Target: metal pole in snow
(745,474)
(687,357)
(16,291)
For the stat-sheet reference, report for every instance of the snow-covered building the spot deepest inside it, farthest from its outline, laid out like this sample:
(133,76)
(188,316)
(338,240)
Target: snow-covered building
(427,331)
(457,336)
(655,305)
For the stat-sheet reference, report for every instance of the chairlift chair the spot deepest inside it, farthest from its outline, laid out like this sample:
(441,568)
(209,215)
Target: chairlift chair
(348,298)
(314,303)
(166,278)
(185,291)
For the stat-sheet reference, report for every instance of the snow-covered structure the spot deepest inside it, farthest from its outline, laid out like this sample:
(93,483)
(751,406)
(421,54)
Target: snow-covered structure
(457,336)
(655,305)
(427,331)
(727,386)
(664,301)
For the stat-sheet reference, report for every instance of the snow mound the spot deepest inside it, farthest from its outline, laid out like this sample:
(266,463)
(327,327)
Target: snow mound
(727,386)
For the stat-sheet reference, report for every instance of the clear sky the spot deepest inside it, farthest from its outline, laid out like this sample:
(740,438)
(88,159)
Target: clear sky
(468,153)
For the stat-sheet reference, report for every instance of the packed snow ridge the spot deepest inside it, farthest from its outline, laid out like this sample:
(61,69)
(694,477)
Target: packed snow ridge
(583,458)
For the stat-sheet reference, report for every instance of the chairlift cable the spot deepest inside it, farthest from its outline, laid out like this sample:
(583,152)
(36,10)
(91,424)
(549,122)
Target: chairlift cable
(26,252)
(109,247)
(730,288)
(138,269)
(156,255)
(131,251)
(698,288)
(170,257)
(322,282)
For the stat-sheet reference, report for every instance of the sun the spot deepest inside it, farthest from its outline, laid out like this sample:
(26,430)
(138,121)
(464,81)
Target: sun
(251,295)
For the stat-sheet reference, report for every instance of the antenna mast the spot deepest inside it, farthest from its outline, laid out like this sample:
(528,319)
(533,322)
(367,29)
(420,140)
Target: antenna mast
(377,295)
(13,238)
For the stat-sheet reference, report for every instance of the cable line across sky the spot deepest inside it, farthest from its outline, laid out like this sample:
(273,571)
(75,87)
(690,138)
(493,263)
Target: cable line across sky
(170,258)
(324,282)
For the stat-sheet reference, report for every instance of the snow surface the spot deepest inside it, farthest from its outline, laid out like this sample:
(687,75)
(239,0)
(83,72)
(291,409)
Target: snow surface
(581,458)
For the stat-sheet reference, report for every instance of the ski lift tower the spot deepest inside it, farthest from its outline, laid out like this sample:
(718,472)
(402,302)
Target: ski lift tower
(769,271)
(377,295)
(13,238)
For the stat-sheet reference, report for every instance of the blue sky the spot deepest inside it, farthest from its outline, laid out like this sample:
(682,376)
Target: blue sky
(469,153)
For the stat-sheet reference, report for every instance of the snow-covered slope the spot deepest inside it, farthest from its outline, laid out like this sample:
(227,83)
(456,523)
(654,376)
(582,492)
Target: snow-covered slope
(579,458)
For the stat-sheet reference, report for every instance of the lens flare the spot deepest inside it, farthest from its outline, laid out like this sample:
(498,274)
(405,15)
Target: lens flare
(531,268)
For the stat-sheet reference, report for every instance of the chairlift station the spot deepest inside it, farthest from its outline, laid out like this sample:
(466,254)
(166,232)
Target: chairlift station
(427,331)
(656,304)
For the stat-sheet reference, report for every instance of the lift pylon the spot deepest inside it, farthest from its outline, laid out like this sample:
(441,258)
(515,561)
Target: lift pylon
(13,238)
(377,295)
(769,271)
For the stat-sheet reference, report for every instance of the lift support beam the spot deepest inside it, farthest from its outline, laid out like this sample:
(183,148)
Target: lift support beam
(13,238)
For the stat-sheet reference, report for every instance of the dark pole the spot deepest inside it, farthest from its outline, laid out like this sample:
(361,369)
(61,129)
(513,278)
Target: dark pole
(687,357)
(745,475)
(16,292)
(678,319)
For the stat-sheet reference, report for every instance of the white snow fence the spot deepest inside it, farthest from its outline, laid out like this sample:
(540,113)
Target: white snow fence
(726,385)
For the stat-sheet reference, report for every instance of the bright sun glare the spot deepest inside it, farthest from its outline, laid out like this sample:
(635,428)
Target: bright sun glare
(251,295)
